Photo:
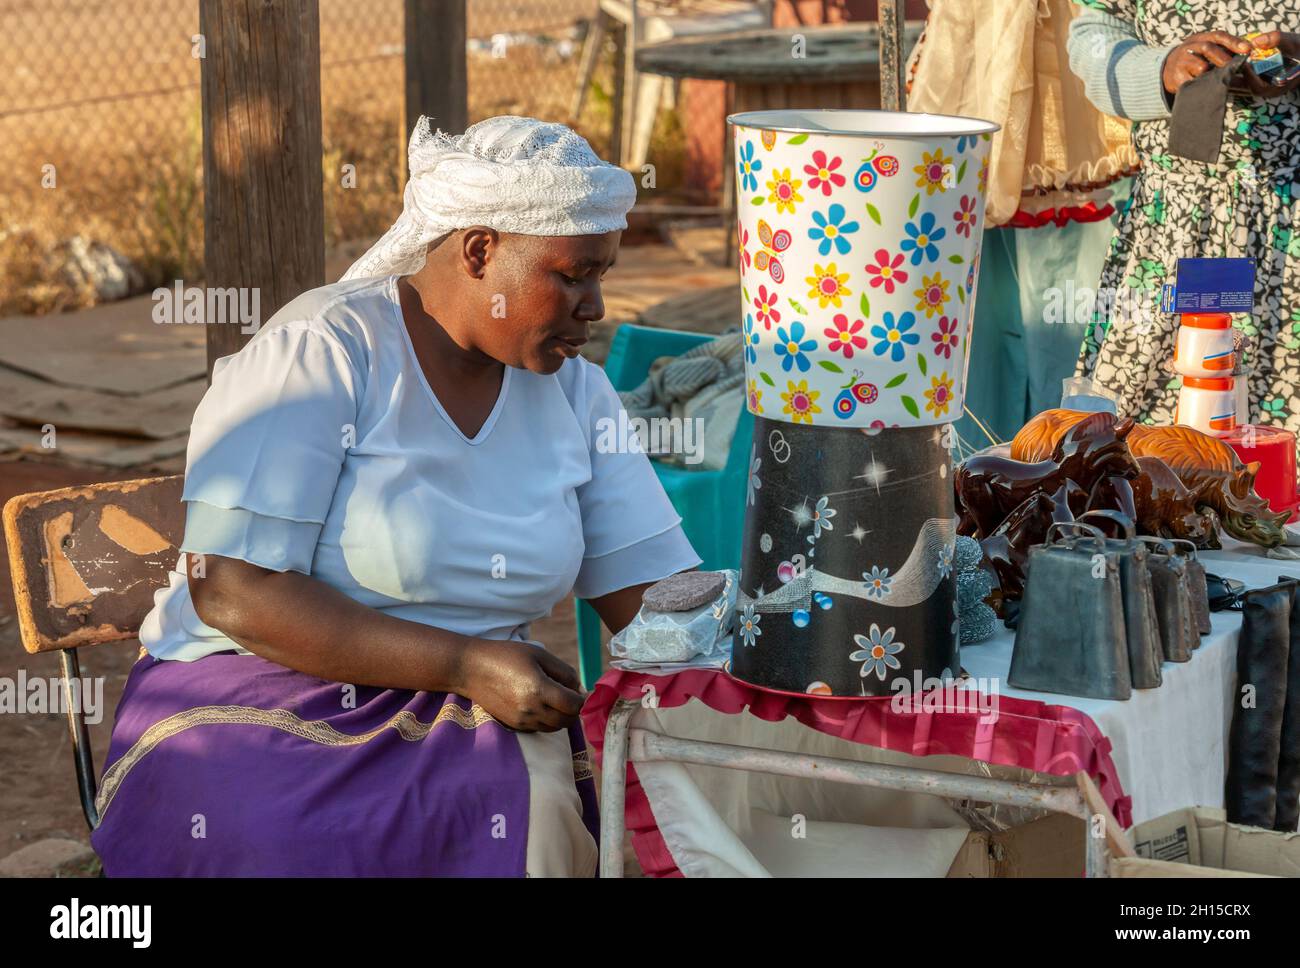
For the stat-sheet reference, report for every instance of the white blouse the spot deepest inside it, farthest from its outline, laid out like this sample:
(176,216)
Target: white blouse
(321,448)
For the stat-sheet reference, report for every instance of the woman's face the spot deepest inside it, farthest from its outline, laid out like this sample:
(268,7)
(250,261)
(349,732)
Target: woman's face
(540,294)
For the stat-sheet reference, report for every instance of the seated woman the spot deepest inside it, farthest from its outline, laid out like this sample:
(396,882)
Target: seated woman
(384,488)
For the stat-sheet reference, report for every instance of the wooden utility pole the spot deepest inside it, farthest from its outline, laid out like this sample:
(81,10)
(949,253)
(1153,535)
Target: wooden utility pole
(263,205)
(893,91)
(436,82)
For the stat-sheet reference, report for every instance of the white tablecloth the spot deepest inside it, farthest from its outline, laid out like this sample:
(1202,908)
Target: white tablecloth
(1170,745)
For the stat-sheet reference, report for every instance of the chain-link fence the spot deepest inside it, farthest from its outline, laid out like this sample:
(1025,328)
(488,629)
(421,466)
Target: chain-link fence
(101,137)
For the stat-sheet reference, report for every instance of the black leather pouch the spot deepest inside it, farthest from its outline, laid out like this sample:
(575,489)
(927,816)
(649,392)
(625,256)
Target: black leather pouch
(1288,768)
(1259,702)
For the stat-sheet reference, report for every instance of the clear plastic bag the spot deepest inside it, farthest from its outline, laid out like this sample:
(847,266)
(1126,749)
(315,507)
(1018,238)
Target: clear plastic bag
(656,637)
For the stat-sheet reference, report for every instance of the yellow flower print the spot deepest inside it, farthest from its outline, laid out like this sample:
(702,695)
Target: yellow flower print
(827,286)
(939,396)
(800,401)
(933,296)
(785,191)
(755,398)
(933,172)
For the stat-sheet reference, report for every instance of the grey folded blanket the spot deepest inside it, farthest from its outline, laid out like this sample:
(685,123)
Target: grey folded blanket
(703,391)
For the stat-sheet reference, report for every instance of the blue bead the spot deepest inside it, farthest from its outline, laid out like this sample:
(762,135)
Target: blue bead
(800,618)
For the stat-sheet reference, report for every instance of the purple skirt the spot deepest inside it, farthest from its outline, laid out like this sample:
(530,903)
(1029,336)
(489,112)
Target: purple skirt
(235,766)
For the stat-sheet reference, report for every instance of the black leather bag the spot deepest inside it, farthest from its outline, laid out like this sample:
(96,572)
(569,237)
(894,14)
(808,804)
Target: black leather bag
(1070,637)
(1287,815)
(1255,738)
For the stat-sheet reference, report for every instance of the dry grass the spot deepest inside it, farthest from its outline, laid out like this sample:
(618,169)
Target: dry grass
(140,190)
(152,213)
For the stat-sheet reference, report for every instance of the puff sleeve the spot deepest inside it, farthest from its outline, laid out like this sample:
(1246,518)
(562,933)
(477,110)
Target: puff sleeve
(631,531)
(267,445)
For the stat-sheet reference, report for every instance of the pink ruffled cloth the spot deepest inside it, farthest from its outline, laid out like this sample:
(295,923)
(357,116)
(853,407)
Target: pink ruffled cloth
(1027,733)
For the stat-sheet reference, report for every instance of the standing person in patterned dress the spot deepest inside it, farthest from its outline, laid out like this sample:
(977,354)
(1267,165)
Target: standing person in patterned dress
(1134,56)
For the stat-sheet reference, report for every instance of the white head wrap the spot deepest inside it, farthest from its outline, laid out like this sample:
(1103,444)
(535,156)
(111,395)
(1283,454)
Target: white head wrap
(509,173)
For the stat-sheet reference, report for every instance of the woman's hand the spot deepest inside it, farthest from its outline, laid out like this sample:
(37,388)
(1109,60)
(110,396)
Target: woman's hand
(1198,53)
(522,686)
(1289,45)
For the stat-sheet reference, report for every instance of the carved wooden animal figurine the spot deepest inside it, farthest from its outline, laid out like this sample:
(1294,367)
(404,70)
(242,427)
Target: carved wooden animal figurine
(1007,548)
(1041,433)
(1221,485)
(1167,508)
(989,488)
(1218,479)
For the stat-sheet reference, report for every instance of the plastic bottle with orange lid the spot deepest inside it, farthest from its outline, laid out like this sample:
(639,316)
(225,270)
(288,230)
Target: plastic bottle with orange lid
(1207,403)
(1204,345)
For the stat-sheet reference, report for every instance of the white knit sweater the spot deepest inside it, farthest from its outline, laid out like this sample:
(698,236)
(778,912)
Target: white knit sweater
(1122,75)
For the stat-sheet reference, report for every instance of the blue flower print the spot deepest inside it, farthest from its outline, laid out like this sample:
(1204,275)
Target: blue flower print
(831,229)
(749,167)
(921,239)
(894,337)
(792,348)
(821,519)
(945,560)
(877,582)
(751,340)
(748,623)
(876,652)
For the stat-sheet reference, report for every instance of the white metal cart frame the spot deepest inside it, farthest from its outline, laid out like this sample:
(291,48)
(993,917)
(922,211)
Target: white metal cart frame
(624,744)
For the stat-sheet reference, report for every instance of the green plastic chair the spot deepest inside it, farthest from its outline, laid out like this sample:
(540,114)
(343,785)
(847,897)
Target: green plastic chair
(711,503)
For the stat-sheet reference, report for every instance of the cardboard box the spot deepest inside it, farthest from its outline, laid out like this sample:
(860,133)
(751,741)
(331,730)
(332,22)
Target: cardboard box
(1051,846)
(1199,842)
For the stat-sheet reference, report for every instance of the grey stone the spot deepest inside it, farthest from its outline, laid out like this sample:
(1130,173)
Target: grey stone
(55,857)
(685,591)
(85,263)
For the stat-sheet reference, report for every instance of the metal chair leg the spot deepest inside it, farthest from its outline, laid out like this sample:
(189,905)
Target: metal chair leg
(82,756)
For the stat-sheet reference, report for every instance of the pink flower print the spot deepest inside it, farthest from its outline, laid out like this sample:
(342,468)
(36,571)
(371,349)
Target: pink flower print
(843,336)
(945,341)
(886,272)
(822,173)
(965,216)
(765,304)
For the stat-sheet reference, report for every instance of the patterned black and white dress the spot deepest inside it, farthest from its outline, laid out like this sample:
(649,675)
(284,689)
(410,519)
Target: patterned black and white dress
(1242,206)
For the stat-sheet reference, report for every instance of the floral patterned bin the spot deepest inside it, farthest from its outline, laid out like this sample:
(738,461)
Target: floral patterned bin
(847,578)
(859,236)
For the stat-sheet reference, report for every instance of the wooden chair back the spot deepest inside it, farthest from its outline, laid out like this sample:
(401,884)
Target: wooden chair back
(86,561)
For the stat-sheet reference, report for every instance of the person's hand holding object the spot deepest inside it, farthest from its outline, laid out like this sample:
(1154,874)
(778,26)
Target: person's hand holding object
(1289,45)
(1215,48)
